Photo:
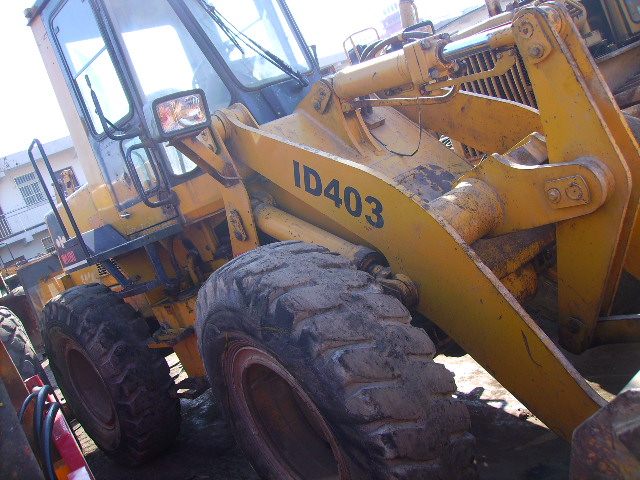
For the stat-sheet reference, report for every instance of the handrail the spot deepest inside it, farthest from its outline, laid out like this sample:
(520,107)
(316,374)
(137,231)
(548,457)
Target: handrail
(63,199)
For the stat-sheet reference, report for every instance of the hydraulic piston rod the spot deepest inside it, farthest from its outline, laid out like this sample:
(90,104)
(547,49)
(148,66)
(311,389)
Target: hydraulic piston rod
(478,43)
(417,63)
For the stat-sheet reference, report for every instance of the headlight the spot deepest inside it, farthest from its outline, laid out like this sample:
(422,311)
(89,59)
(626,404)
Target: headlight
(180,114)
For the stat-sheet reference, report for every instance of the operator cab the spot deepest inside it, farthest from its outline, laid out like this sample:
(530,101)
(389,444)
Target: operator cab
(118,56)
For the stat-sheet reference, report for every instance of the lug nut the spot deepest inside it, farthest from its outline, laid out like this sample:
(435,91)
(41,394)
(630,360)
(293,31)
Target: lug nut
(536,50)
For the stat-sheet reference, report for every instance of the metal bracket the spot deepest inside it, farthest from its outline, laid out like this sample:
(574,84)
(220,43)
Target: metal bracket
(168,337)
(238,227)
(567,192)
(321,97)
(528,193)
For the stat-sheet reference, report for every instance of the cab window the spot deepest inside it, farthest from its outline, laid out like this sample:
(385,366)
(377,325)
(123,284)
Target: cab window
(240,28)
(166,59)
(85,54)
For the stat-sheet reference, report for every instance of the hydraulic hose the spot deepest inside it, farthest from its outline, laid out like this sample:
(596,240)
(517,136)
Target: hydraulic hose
(25,404)
(375,47)
(39,413)
(43,431)
(47,434)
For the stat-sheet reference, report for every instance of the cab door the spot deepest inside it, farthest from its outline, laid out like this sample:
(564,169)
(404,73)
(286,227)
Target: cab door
(135,179)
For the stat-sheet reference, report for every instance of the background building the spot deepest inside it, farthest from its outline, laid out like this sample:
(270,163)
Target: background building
(23,203)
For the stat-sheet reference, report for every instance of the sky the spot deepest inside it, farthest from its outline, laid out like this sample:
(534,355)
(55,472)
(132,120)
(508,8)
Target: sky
(29,107)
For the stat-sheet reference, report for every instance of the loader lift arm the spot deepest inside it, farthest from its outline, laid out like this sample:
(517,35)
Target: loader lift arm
(580,121)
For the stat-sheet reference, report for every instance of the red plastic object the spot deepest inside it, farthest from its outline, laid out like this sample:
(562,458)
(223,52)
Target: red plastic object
(64,441)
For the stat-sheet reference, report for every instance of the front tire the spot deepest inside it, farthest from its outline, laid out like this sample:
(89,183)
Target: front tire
(321,374)
(116,386)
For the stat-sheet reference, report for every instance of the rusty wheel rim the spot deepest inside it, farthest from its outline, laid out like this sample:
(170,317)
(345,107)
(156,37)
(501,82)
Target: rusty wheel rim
(284,424)
(91,391)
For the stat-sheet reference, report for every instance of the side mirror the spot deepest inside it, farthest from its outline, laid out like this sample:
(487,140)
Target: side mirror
(180,114)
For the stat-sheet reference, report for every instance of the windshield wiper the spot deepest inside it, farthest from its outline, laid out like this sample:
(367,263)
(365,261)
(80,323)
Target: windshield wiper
(235,36)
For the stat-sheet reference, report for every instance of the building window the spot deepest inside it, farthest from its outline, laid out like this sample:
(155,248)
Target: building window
(5,229)
(30,188)
(48,245)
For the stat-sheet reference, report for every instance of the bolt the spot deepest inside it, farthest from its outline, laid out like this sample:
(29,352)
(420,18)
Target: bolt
(425,44)
(536,50)
(554,195)
(317,106)
(574,325)
(434,73)
(574,191)
(526,29)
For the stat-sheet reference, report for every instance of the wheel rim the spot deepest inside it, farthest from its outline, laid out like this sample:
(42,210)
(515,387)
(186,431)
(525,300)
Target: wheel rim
(91,392)
(284,424)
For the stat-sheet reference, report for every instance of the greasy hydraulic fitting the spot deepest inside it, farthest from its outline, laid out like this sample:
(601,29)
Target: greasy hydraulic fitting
(398,285)
(427,56)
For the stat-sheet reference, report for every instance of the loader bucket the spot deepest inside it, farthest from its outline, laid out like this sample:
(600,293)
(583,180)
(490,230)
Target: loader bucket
(607,445)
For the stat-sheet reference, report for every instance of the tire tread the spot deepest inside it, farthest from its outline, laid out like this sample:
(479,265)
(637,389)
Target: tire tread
(368,370)
(114,336)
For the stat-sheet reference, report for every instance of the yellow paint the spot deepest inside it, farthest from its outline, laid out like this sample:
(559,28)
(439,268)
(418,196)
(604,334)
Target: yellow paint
(581,119)
(376,179)
(181,313)
(480,314)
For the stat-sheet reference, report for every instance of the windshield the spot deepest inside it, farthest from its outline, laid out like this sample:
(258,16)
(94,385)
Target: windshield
(245,23)
(166,60)
(164,56)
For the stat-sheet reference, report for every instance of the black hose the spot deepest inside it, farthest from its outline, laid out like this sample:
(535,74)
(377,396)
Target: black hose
(39,413)
(25,404)
(424,23)
(375,47)
(367,50)
(47,434)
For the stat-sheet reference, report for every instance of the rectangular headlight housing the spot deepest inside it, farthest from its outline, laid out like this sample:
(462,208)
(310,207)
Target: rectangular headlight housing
(180,114)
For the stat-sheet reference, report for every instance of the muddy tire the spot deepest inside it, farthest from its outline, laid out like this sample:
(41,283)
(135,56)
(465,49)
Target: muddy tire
(15,339)
(116,386)
(321,374)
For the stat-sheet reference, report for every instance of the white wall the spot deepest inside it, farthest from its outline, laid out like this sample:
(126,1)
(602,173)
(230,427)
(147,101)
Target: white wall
(28,250)
(27,222)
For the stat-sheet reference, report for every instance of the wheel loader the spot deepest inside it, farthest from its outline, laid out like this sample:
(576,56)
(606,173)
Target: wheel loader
(307,245)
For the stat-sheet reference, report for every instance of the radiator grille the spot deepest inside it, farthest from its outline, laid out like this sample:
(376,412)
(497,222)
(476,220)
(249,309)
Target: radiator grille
(102,271)
(513,85)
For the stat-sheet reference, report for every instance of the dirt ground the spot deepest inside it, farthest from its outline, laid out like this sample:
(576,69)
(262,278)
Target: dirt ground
(511,443)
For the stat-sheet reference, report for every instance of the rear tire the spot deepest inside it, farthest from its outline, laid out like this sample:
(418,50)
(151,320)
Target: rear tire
(15,339)
(321,374)
(116,386)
